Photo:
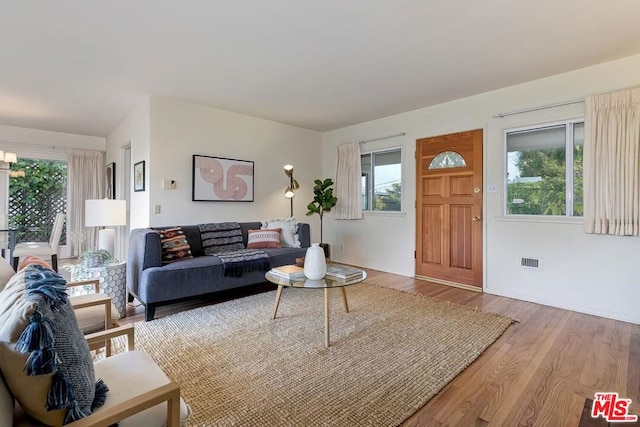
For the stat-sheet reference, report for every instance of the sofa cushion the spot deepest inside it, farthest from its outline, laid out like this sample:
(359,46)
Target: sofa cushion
(267,238)
(289,234)
(175,246)
(43,355)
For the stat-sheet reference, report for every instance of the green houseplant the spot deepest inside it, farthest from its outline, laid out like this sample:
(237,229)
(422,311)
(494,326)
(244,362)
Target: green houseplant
(323,201)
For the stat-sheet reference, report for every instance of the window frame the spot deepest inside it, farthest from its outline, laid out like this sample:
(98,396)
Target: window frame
(568,216)
(372,154)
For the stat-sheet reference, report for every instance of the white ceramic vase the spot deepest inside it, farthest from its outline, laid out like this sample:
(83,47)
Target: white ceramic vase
(315,264)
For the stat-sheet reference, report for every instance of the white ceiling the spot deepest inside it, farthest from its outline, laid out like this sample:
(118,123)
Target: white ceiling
(81,66)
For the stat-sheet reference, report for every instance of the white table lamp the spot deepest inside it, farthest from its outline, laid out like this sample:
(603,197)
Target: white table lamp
(105,213)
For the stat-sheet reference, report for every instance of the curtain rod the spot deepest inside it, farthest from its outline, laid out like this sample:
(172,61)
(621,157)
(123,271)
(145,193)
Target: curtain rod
(364,141)
(542,107)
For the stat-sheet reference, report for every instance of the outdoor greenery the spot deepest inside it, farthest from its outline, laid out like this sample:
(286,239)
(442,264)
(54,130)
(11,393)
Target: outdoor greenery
(547,196)
(323,200)
(390,200)
(36,198)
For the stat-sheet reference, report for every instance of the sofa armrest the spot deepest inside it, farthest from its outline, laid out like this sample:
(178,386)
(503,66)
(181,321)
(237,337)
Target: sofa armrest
(169,393)
(145,251)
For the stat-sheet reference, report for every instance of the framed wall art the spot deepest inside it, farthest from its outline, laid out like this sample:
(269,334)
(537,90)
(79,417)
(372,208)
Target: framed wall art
(111,181)
(217,179)
(138,176)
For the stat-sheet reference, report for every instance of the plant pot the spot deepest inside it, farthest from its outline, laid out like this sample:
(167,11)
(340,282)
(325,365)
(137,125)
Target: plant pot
(327,250)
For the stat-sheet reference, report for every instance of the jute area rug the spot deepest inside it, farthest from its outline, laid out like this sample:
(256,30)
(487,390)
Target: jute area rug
(389,355)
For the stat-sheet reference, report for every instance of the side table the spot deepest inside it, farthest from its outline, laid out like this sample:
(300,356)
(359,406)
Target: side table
(113,282)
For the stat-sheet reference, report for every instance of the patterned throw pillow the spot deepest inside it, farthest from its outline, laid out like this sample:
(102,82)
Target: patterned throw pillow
(44,357)
(260,239)
(289,234)
(175,246)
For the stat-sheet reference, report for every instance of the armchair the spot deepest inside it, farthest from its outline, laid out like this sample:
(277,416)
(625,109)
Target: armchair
(138,390)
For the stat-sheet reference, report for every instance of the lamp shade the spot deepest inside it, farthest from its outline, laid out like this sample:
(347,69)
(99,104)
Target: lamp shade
(105,212)
(10,157)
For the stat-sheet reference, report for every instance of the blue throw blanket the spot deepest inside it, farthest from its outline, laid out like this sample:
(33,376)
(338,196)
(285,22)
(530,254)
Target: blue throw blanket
(224,240)
(237,263)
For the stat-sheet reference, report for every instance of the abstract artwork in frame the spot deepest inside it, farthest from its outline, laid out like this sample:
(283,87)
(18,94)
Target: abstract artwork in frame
(138,176)
(111,181)
(217,179)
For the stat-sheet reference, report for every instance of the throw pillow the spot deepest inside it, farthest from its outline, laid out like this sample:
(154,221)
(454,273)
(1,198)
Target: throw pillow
(174,244)
(260,239)
(32,260)
(289,235)
(44,357)
(6,272)
(221,237)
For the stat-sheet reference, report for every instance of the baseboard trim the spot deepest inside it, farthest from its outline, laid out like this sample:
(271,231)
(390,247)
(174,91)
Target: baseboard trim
(448,283)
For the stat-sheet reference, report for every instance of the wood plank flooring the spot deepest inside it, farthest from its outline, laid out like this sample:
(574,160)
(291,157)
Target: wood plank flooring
(539,373)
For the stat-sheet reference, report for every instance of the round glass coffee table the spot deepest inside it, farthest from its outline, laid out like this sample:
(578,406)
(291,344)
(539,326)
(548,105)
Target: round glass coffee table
(327,283)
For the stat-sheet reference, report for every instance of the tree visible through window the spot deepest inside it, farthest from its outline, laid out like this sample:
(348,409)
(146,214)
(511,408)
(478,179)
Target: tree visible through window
(36,198)
(382,181)
(544,170)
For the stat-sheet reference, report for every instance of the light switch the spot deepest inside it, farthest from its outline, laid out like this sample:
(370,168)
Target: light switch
(492,188)
(156,209)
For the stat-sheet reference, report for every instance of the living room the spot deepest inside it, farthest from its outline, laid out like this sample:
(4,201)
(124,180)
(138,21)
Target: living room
(587,273)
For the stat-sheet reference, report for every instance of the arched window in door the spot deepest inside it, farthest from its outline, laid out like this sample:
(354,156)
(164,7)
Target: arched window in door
(447,159)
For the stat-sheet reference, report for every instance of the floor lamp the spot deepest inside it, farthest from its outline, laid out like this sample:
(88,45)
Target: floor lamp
(293,185)
(105,213)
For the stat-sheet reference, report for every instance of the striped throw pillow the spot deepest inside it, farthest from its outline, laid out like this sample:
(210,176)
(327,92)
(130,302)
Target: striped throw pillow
(267,238)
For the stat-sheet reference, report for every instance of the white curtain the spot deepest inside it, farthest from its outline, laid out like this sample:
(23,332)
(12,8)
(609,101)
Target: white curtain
(612,164)
(349,182)
(86,180)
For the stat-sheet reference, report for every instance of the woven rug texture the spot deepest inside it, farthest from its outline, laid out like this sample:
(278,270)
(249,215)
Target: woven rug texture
(389,355)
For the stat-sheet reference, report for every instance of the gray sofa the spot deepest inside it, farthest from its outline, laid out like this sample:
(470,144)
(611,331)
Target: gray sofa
(155,284)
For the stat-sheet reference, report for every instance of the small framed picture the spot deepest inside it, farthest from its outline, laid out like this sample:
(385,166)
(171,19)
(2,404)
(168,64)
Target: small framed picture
(111,181)
(218,179)
(138,176)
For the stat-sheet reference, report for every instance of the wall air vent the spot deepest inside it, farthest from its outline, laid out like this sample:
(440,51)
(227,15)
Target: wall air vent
(531,263)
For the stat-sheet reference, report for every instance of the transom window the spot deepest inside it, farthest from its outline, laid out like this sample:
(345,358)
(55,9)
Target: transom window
(447,159)
(544,169)
(382,180)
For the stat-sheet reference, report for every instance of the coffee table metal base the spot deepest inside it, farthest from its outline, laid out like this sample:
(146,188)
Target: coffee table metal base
(326,309)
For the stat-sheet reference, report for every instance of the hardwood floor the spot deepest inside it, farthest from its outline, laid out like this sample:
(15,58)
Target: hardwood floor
(539,373)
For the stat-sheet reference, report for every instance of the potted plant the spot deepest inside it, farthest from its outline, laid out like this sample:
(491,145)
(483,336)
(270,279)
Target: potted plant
(323,201)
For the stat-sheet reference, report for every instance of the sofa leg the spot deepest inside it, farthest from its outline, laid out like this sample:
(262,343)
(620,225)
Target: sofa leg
(149,312)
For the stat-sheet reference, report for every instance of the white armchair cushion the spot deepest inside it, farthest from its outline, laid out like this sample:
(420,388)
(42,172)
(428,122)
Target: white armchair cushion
(132,373)
(91,319)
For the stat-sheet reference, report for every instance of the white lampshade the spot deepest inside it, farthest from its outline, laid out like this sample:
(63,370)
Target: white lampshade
(105,212)
(10,157)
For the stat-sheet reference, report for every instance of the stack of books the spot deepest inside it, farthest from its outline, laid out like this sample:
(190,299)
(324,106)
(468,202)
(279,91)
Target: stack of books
(343,272)
(290,272)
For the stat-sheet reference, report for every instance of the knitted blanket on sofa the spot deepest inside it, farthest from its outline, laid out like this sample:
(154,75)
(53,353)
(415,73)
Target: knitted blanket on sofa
(224,240)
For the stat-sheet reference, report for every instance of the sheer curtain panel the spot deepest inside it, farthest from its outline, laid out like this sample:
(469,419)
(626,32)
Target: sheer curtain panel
(612,163)
(86,181)
(349,182)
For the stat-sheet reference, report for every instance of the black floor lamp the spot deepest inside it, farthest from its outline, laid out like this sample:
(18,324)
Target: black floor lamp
(293,185)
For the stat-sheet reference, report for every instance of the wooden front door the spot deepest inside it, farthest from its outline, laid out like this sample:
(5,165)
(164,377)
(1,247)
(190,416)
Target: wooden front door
(449,209)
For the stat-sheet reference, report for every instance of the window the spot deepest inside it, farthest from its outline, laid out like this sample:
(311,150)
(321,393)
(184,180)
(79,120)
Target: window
(35,198)
(544,169)
(382,181)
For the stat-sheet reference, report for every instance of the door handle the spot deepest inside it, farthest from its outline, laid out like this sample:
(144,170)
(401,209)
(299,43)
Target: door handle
(476,218)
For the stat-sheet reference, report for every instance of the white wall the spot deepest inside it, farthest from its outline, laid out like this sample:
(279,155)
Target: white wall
(180,129)
(134,130)
(592,274)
